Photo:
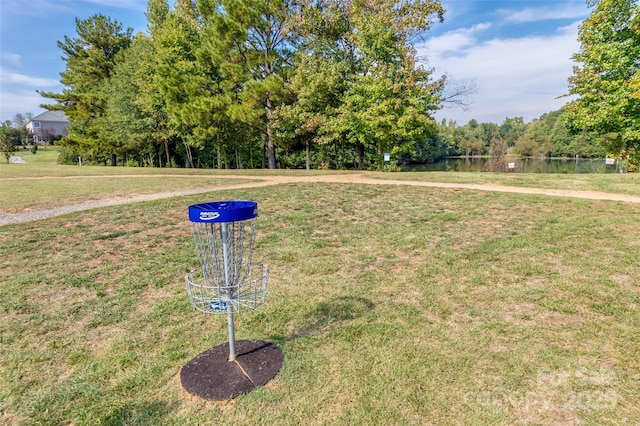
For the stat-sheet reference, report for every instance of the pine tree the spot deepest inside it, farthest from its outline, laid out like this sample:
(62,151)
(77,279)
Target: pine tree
(90,59)
(247,39)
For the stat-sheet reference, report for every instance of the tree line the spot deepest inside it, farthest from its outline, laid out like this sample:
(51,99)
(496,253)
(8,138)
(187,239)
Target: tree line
(318,84)
(246,83)
(546,136)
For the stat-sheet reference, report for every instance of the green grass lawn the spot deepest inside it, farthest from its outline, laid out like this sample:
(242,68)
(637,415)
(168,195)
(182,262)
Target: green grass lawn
(19,195)
(42,183)
(392,305)
(627,183)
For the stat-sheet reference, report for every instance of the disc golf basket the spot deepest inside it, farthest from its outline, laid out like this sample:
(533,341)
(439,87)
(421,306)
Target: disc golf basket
(228,282)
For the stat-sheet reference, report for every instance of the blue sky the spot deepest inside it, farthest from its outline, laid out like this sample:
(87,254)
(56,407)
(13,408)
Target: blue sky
(517,53)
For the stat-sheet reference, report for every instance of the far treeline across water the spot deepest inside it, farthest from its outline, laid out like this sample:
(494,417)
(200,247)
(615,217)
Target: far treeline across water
(319,84)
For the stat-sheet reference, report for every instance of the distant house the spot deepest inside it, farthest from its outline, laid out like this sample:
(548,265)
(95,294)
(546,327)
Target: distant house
(47,125)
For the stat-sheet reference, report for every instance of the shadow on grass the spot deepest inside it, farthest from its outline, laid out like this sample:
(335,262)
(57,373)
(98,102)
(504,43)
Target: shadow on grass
(325,314)
(151,413)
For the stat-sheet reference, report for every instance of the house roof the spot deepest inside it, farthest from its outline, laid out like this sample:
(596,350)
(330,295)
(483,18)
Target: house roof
(58,116)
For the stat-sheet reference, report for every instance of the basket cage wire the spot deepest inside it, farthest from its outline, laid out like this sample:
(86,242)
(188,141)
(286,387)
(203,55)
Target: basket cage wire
(238,281)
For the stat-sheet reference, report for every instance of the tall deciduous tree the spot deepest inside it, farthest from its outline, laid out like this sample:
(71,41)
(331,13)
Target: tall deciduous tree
(176,40)
(376,96)
(316,87)
(152,98)
(130,123)
(323,62)
(606,79)
(90,59)
(388,106)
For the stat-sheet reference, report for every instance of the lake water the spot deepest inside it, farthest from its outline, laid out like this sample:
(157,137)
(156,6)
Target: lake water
(528,165)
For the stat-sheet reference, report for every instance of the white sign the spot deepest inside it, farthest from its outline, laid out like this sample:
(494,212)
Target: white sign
(512,165)
(387,156)
(610,161)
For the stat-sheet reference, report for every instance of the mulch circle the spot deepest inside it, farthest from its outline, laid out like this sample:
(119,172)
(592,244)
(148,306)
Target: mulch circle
(211,376)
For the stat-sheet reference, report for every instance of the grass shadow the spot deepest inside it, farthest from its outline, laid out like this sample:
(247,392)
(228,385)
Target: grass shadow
(152,413)
(325,314)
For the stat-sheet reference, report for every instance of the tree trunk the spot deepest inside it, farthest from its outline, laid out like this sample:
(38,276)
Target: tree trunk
(113,160)
(238,160)
(360,155)
(271,148)
(251,155)
(166,151)
(189,156)
(308,155)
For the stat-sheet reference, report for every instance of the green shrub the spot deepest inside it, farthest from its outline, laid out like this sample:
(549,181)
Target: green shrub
(67,156)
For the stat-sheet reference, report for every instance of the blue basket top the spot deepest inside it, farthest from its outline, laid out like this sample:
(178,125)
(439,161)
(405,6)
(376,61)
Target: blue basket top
(223,211)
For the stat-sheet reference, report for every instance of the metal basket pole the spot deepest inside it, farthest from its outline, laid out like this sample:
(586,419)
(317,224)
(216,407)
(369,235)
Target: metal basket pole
(225,256)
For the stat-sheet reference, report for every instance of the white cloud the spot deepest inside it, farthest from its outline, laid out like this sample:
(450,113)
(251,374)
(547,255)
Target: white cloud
(9,77)
(18,93)
(514,76)
(137,5)
(34,7)
(20,101)
(562,11)
(11,58)
(453,41)
(45,8)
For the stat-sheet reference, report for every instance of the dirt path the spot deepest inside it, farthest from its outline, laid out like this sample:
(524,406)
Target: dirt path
(6,219)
